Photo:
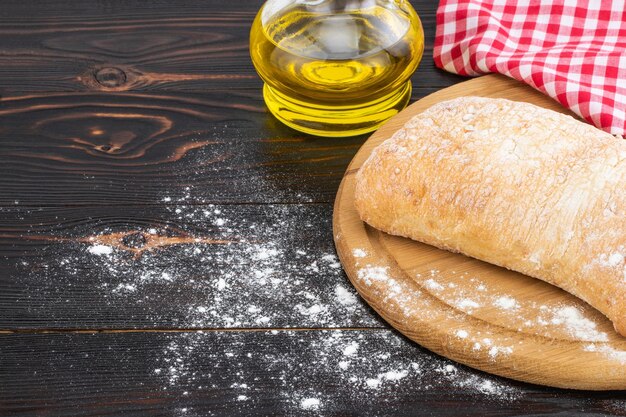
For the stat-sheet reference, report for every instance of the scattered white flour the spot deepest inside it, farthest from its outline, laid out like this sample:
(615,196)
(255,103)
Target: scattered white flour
(100,250)
(616,259)
(310,403)
(265,253)
(433,285)
(344,296)
(506,303)
(351,349)
(125,288)
(555,320)
(466,304)
(250,262)
(578,326)
(395,375)
(387,365)
(462,334)
(332,261)
(313,310)
(387,376)
(611,261)
(373,383)
(210,264)
(371,273)
(500,350)
(608,351)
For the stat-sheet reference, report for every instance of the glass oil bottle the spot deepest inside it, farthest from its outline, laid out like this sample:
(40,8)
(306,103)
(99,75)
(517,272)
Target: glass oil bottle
(336,67)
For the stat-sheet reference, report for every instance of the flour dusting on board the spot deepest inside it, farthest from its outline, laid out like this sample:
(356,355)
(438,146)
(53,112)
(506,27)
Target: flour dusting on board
(612,353)
(413,307)
(558,319)
(550,319)
(506,302)
(577,325)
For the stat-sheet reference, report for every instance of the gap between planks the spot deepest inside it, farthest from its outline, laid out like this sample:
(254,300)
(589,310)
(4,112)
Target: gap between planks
(164,204)
(190,330)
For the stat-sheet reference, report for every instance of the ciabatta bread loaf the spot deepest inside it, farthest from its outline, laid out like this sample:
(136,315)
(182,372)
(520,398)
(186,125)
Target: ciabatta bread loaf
(512,184)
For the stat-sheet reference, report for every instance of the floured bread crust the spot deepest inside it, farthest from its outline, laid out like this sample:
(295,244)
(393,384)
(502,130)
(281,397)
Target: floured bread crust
(512,184)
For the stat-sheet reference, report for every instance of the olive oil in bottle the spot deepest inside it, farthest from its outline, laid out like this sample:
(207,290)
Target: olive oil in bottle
(336,68)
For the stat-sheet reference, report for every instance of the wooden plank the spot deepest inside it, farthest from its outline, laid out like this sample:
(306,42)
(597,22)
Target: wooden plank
(295,373)
(120,148)
(115,148)
(174,266)
(121,46)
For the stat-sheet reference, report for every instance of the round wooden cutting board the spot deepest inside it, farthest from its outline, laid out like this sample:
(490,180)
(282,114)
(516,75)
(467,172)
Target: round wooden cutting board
(478,314)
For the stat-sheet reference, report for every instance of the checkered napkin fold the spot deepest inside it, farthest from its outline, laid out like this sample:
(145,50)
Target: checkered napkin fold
(572,50)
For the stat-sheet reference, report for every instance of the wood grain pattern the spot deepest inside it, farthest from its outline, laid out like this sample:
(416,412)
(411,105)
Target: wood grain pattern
(158,45)
(448,302)
(116,374)
(134,45)
(130,148)
(108,109)
(178,266)
(154,143)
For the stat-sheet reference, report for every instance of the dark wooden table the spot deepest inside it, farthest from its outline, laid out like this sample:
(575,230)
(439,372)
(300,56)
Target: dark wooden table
(166,245)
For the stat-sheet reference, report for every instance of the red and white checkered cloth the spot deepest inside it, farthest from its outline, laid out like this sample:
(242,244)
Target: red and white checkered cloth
(572,50)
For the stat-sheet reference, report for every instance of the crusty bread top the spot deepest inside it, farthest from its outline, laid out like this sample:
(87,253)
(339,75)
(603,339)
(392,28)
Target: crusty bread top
(511,183)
